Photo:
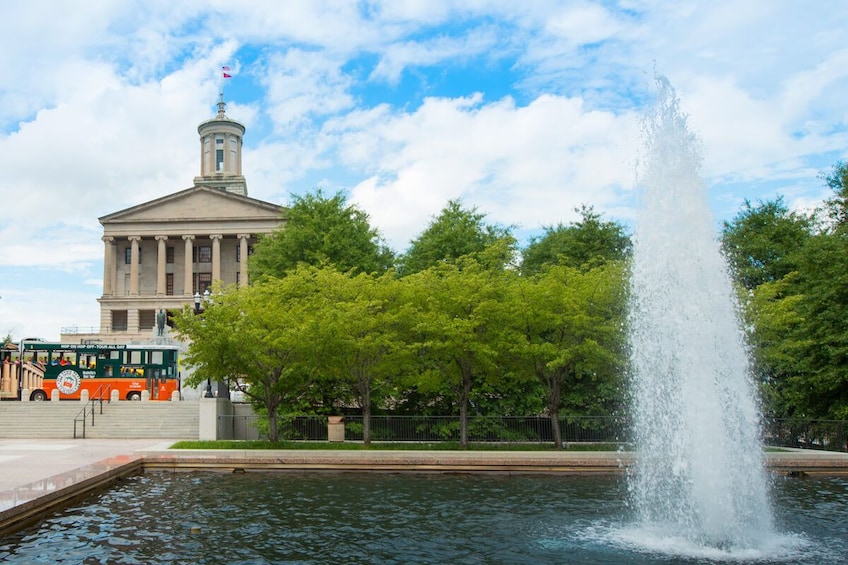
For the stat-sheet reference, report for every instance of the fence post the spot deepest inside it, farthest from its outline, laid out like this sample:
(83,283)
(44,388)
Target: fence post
(335,428)
(208,419)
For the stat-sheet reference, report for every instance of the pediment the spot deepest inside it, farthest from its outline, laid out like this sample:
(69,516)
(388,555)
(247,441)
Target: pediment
(199,203)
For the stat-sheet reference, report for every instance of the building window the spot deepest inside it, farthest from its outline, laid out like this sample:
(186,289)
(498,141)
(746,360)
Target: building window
(219,159)
(119,320)
(238,252)
(169,284)
(201,254)
(146,319)
(128,256)
(169,255)
(202,281)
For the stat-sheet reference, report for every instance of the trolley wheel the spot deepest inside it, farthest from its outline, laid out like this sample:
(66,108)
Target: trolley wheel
(134,396)
(38,396)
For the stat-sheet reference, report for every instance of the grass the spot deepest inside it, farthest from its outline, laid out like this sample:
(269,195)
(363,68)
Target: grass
(381,446)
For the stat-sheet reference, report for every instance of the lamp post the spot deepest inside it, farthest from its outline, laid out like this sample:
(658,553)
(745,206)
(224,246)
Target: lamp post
(198,308)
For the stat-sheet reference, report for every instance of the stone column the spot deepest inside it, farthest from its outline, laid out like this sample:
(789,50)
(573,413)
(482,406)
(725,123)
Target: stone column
(132,321)
(243,237)
(134,241)
(216,256)
(108,265)
(189,269)
(115,269)
(160,265)
(202,155)
(105,320)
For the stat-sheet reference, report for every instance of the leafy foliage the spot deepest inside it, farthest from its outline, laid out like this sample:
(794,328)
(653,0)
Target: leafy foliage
(584,244)
(321,230)
(571,337)
(255,334)
(798,295)
(457,232)
(763,242)
(460,331)
(837,205)
(358,331)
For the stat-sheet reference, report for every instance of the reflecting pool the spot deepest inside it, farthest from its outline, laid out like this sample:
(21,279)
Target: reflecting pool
(203,517)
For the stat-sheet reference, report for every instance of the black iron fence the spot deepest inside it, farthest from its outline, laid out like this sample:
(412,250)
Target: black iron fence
(829,435)
(289,428)
(487,429)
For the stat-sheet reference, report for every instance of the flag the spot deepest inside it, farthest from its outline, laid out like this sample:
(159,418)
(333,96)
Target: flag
(227,75)
(224,70)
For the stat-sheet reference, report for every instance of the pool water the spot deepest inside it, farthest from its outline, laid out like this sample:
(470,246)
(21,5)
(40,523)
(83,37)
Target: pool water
(205,517)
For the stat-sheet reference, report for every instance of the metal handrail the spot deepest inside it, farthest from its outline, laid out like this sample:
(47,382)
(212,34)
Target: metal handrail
(97,397)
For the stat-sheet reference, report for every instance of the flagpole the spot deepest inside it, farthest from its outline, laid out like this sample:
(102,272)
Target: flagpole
(224,76)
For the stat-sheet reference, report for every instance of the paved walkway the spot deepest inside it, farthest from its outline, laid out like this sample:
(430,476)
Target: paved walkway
(25,461)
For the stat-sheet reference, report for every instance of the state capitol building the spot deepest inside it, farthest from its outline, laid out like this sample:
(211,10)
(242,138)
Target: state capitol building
(159,255)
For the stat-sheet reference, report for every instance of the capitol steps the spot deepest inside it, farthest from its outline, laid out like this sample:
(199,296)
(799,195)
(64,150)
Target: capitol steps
(119,420)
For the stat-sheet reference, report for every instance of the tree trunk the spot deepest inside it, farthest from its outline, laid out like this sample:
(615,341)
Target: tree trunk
(465,392)
(365,393)
(556,428)
(272,424)
(553,409)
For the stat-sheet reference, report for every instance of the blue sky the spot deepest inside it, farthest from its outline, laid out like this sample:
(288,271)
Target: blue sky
(525,110)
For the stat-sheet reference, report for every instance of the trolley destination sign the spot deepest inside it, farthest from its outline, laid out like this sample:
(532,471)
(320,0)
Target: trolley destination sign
(41,346)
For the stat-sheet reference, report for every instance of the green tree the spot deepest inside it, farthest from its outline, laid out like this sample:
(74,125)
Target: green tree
(321,230)
(460,333)
(255,334)
(570,336)
(837,205)
(584,244)
(457,232)
(796,303)
(763,242)
(773,316)
(819,387)
(359,335)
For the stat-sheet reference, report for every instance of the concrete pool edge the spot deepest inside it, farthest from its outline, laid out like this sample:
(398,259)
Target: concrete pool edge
(49,495)
(55,494)
(583,462)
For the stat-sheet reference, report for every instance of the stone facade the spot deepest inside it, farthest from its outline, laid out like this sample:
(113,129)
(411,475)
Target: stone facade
(161,253)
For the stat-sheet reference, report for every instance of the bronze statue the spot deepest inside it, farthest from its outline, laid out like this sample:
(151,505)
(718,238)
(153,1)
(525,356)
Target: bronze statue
(160,321)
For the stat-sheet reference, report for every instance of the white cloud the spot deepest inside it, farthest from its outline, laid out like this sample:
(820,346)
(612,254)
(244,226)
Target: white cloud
(397,57)
(525,165)
(304,85)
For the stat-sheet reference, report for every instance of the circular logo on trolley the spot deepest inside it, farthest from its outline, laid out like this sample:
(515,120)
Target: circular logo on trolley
(68,381)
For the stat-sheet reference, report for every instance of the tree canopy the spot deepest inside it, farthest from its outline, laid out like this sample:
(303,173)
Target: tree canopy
(583,244)
(321,230)
(794,272)
(763,242)
(837,204)
(255,334)
(569,337)
(456,232)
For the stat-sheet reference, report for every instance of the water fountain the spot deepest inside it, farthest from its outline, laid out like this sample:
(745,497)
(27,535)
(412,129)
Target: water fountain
(700,477)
